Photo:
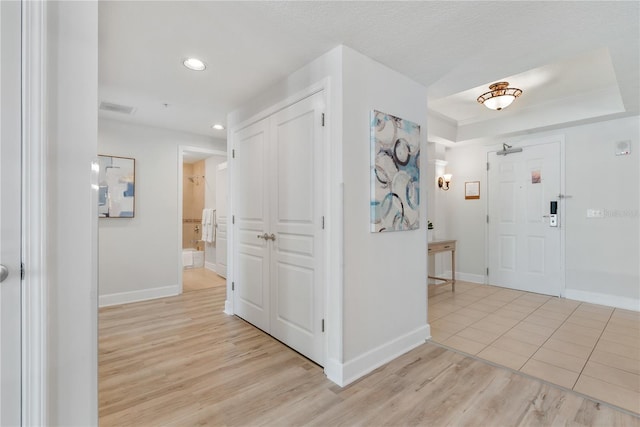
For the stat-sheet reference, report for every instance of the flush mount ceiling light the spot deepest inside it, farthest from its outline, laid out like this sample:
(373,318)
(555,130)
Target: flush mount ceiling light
(500,96)
(218,126)
(194,64)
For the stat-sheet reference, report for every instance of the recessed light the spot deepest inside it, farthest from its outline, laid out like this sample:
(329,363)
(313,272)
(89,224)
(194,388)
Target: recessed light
(218,126)
(194,64)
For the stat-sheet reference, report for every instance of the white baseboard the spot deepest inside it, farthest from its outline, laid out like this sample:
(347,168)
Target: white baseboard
(135,296)
(210,266)
(346,373)
(467,277)
(334,372)
(603,299)
(228,308)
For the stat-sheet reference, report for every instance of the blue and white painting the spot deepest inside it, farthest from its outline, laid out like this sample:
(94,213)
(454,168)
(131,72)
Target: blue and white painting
(116,187)
(395,173)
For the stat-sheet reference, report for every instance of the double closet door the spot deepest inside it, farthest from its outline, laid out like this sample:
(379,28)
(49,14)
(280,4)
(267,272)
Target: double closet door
(278,229)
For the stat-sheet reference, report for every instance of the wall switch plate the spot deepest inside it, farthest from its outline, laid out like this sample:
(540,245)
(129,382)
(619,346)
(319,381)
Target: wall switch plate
(595,213)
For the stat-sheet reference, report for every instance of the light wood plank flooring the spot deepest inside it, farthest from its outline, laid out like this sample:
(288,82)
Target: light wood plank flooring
(180,361)
(195,279)
(592,349)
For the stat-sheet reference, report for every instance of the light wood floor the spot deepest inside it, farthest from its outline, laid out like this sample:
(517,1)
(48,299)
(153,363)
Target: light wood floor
(180,361)
(195,279)
(592,349)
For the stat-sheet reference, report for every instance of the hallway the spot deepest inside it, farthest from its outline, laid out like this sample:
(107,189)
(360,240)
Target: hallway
(181,361)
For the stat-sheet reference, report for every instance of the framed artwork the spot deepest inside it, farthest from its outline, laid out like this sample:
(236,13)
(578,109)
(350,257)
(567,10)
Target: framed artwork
(472,190)
(116,187)
(395,173)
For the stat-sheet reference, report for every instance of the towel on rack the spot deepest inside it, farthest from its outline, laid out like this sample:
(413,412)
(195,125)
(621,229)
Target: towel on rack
(214,225)
(208,231)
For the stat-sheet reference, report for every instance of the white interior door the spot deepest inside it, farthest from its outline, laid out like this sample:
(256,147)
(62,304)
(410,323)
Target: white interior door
(296,222)
(524,248)
(10,159)
(221,219)
(278,244)
(251,299)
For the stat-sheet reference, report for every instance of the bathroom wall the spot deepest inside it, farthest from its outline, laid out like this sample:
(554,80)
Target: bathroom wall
(193,195)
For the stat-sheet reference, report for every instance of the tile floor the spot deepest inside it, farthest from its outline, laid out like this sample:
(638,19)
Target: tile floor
(592,349)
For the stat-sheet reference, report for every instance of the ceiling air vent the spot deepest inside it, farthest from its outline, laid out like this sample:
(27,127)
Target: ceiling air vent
(117,108)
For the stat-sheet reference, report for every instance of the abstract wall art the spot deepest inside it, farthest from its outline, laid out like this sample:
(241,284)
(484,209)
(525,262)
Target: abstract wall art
(395,173)
(116,187)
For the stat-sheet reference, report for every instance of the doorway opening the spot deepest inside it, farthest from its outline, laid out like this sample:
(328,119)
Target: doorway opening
(201,251)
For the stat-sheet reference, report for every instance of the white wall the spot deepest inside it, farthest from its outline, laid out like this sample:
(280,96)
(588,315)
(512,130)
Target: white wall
(380,310)
(139,256)
(466,219)
(385,274)
(601,262)
(602,254)
(71,216)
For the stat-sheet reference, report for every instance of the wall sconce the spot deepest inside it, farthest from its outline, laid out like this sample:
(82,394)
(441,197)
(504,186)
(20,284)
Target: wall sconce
(443,181)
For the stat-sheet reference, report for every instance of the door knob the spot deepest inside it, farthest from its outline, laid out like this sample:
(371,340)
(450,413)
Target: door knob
(271,236)
(4,273)
(264,236)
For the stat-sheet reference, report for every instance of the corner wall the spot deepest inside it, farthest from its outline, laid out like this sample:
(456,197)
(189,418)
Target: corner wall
(138,256)
(385,274)
(376,296)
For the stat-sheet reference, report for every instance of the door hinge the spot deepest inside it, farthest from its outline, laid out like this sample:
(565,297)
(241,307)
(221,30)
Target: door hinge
(322,325)
(323,119)
(22,271)
(233,219)
(323,222)
(233,286)
(487,219)
(487,271)
(233,154)
(487,165)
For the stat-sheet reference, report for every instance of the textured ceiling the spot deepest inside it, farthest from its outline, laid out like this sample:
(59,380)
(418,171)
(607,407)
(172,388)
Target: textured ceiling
(453,48)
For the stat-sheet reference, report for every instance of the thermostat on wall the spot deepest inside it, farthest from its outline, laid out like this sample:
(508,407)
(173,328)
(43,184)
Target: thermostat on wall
(623,148)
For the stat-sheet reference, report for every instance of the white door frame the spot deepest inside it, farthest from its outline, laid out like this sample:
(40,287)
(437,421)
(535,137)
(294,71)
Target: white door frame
(34,307)
(181,150)
(333,227)
(561,200)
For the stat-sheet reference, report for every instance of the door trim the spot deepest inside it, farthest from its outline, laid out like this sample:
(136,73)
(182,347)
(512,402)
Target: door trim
(562,202)
(181,150)
(34,227)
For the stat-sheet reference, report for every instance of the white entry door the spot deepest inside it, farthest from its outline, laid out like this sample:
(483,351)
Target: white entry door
(221,219)
(278,212)
(524,246)
(10,147)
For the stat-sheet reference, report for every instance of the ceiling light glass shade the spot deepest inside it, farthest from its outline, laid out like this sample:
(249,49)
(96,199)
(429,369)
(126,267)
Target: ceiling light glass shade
(218,126)
(500,96)
(194,64)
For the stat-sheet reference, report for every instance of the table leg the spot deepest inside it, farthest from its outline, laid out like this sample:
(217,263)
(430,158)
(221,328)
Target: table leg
(453,270)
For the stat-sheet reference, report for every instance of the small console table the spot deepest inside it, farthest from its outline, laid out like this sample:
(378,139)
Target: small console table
(445,246)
